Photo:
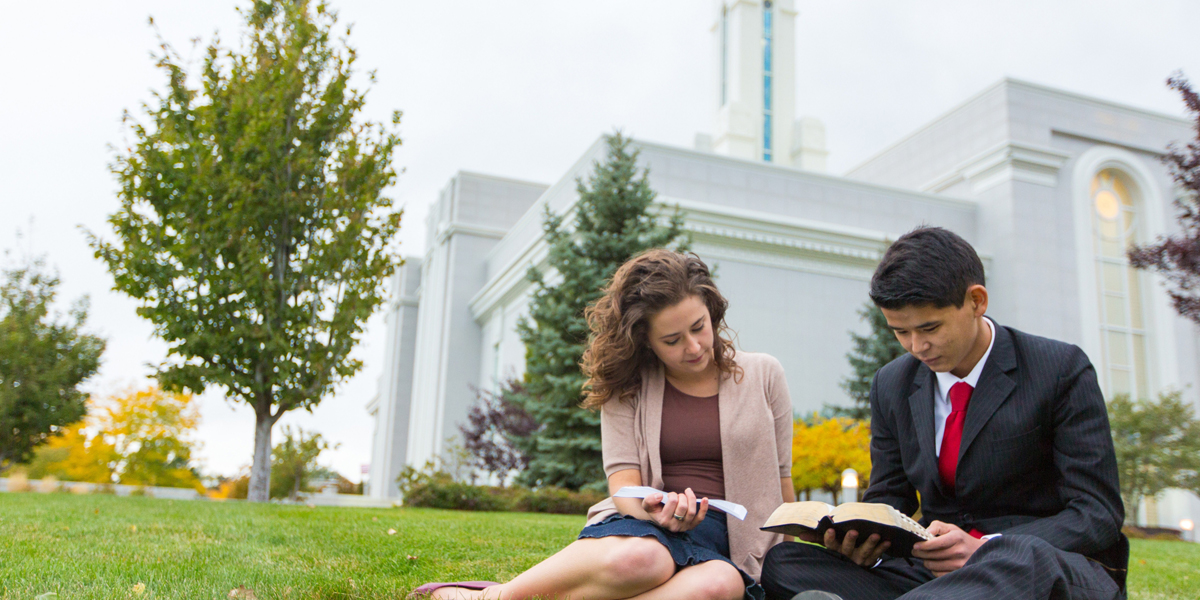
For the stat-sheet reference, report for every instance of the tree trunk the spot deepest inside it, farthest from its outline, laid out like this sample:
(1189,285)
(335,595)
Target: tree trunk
(260,471)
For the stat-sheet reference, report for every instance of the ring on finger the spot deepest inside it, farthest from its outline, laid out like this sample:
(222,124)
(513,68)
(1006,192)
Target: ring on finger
(678,517)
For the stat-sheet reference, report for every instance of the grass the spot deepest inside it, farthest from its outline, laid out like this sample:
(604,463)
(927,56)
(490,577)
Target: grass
(104,547)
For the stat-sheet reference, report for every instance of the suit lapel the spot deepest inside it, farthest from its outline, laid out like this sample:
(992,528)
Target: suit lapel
(994,387)
(920,402)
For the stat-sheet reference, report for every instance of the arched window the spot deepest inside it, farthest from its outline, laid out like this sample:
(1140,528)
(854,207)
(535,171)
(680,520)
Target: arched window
(1115,222)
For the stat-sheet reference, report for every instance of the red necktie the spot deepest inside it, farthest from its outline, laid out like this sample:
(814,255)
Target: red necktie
(960,397)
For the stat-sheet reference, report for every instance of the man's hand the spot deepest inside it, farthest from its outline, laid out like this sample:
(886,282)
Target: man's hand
(865,555)
(679,512)
(948,551)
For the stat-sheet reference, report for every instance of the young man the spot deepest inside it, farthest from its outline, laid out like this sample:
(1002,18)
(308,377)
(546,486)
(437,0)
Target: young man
(1001,438)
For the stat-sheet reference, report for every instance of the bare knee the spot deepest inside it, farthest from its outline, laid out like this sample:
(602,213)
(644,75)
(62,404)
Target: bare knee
(721,581)
(636,562)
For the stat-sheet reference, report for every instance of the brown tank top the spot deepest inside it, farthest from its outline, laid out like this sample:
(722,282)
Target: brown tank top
(690,444)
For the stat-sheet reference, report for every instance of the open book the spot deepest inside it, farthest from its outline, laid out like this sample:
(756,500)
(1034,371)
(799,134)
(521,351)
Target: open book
(641,491)
(797,518)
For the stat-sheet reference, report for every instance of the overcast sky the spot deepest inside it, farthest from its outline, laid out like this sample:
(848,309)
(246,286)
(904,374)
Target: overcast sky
(519,89)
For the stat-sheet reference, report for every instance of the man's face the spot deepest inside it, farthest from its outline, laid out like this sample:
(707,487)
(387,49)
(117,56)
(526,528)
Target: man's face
(946,338)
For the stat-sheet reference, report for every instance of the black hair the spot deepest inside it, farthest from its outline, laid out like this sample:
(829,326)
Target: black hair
(928,266)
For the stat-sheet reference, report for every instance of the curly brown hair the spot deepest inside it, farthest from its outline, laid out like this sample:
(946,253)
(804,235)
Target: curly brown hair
(618,346)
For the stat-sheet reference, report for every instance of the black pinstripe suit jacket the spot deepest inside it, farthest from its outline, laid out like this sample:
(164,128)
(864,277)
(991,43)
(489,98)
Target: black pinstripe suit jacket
(1036,455)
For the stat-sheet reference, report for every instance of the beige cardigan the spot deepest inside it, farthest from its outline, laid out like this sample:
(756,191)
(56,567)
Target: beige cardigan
(756,447)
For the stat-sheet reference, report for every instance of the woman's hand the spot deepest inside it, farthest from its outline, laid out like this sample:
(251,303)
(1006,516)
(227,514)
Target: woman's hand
(679,512)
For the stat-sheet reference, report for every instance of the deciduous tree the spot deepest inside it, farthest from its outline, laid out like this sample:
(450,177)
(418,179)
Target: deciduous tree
(826,447)
(613,221)
(294,460)
(44,357)
(151,431)
(492,424)
(136,437)
(1157,443)
(76,455)
(253,227)
(1177,257)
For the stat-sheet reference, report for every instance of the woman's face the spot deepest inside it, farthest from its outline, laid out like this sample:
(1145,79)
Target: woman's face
(682,337)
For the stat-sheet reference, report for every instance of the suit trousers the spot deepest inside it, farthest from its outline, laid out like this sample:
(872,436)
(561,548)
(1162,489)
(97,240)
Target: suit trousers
(1010,567)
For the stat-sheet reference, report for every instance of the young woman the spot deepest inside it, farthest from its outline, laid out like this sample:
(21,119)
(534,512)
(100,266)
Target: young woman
(678,413)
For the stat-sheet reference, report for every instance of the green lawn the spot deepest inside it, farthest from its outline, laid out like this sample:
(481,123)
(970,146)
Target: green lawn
(104,547)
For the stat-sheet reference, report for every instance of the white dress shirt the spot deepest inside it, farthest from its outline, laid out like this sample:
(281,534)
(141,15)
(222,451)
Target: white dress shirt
(941,401)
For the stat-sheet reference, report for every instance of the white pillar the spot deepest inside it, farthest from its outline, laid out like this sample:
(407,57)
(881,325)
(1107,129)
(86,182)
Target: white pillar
(741,33)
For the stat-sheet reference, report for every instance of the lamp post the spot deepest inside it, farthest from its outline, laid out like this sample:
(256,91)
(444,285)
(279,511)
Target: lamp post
(1187,525)
(850,485)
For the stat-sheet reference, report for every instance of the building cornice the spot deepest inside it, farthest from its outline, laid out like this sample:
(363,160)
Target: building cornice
(722,232)
(1012,83)
(1094,101)
(1009,160)
(766,239)
(837,181)
(449,230)
(476,175)
(404,301)
(1158,152)
(511,281)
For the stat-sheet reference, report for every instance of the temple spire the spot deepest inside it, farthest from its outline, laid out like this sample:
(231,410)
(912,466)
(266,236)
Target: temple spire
(756,81)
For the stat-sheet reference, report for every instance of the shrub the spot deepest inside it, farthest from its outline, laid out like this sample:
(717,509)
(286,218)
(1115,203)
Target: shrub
(430,487)
(236,487)
(557,500)
(18,482)
(1135,532)
(458,496)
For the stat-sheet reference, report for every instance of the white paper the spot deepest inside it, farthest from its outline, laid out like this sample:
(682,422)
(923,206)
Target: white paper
(641,491)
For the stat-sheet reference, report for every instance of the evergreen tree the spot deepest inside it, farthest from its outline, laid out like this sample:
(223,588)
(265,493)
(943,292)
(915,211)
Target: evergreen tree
(869,354)
(613,222)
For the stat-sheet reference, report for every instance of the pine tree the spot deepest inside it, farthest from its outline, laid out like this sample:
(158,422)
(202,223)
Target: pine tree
(613,221)
(869,354)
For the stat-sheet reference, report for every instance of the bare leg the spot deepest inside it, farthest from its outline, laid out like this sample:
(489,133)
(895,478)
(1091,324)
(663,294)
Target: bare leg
(712,580)
(605,568)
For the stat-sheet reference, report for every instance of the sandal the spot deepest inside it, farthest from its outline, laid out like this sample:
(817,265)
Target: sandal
(428,589)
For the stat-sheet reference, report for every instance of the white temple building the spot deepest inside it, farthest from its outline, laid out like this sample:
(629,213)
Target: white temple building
(1049,186)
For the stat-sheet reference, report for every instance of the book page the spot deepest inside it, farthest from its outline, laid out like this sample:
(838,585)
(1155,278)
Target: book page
(806,514)
(641,491)
(878,513)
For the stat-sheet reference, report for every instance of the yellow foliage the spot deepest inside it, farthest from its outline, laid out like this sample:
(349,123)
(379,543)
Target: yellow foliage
(137,437)
(230,489)
(821,452)
(75,456)
(150,430)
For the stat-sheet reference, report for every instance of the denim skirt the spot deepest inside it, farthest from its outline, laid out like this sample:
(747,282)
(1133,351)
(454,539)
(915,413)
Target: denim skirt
(707,541)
